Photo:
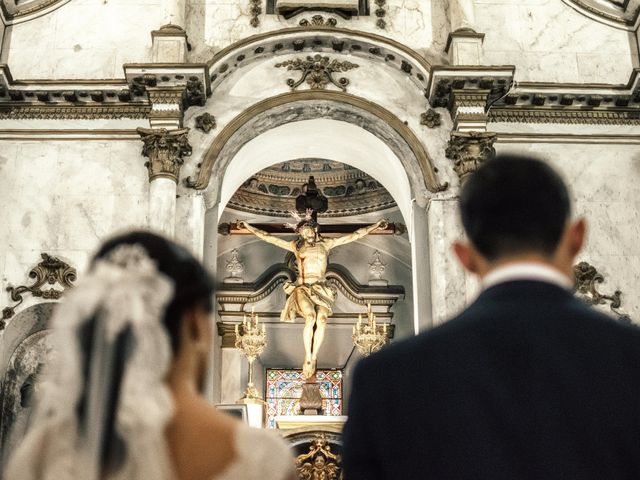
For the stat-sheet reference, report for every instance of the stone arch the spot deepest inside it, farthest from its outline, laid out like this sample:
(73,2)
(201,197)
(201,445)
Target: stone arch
(319,39)
(23,351)
(17,12)
(302,106)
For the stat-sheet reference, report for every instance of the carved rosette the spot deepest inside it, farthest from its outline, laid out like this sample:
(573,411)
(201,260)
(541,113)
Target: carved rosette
(165,150)
(469,150)
(205,122)
(50,271)
(430,118)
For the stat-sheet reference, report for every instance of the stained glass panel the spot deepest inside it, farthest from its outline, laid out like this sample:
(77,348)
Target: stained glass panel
(284,388)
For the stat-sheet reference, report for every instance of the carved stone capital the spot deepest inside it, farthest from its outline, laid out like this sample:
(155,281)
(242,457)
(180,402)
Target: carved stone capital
(165,150)
(469,150)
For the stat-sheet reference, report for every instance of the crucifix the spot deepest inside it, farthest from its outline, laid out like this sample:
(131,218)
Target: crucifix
(310,296)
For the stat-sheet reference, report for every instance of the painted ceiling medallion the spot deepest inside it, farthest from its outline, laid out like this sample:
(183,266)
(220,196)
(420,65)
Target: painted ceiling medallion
(318,72)
(273,191)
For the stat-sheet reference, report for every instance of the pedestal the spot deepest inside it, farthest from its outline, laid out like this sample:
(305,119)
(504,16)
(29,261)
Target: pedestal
(465,47)
(311,399)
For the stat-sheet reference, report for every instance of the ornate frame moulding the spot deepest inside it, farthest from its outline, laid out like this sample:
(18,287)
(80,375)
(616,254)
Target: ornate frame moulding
(312,97)
(50,271)
(319,462)
(587,278)
(319,38)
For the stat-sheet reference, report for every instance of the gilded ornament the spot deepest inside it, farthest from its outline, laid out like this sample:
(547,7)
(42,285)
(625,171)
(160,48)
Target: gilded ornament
(165,150)
(319,463)
(50,271)
(587,278)
(318,72)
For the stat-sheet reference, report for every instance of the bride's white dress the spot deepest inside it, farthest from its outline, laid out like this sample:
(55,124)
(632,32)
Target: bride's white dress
(261,454)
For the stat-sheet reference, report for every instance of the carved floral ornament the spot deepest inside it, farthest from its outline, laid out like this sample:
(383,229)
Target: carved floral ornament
(318,21)
(469,150)
(165,150)
(430,118)
(318,72)
(587,278)
(205,122)
(50,271)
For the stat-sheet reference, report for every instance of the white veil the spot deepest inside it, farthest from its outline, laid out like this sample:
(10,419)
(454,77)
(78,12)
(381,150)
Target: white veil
(102,405)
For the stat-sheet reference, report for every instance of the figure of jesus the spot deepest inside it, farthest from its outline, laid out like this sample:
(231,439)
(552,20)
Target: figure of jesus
(310,296)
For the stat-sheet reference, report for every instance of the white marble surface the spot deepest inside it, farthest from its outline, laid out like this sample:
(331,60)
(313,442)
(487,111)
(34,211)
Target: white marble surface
(84,39)
(549,41)
(63,198)
(215,24)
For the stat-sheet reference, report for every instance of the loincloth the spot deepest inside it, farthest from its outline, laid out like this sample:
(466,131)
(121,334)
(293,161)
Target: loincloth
(319,294)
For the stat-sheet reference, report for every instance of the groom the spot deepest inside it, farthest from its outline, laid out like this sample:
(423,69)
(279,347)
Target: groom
(528,382)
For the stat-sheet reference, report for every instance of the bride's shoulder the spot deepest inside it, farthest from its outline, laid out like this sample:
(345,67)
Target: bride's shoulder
(261,452)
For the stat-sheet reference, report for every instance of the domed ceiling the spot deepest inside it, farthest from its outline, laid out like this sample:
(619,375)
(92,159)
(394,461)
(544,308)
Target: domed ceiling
(273,190)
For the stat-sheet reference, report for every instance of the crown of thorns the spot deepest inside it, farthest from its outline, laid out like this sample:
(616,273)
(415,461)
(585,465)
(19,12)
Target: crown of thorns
(306,221)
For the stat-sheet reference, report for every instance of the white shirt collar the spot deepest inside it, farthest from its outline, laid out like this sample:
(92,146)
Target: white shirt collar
(526,271)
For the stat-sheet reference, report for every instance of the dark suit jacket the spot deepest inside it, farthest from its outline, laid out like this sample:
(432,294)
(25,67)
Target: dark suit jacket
(527,383)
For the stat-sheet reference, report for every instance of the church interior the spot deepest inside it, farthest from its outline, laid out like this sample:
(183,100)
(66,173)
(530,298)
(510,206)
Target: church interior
(194,118)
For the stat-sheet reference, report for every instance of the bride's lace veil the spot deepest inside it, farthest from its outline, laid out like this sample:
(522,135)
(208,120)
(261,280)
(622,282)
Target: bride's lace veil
(102,404)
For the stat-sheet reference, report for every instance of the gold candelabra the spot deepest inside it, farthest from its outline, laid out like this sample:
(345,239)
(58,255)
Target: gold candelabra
(369,336)
(251,340)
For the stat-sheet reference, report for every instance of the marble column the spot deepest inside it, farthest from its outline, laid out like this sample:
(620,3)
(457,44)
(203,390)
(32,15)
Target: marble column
(165,150)
(420,269)
(469,150)
(464,45)
(213,388)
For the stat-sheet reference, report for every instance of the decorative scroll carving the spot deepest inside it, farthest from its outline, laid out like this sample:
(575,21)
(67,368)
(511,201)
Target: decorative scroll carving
(255,9)
(318,72)
(205,122)
(430,118)
(469,150)
(320,463)
(50,271)
(587,278)
(318,21)
(165,150)
(381,13)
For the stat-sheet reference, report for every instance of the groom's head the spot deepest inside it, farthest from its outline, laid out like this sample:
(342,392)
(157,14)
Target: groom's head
(516,208)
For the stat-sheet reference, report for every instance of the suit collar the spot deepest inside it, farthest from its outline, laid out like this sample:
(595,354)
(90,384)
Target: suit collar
(526,271)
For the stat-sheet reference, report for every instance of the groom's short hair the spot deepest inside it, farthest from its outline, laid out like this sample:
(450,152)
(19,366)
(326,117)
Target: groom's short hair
(513,205)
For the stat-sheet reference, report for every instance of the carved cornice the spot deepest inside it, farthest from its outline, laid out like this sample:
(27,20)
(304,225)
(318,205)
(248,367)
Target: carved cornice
(593,117)
(50,271)
(469,150)
(165,150)
(73,112)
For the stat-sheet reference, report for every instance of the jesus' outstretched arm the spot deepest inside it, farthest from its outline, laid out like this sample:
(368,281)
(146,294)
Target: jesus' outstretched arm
(358,234)
(262,235)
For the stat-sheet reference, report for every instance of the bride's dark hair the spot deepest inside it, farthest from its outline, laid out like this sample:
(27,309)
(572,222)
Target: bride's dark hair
(192,284)
(192,287)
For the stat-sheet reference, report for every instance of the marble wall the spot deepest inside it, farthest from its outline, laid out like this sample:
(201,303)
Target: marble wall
(63,198)
(82,39)
(604,191)
(548,41)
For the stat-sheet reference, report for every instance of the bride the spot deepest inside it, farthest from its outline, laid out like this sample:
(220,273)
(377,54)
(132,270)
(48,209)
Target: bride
(122,397)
